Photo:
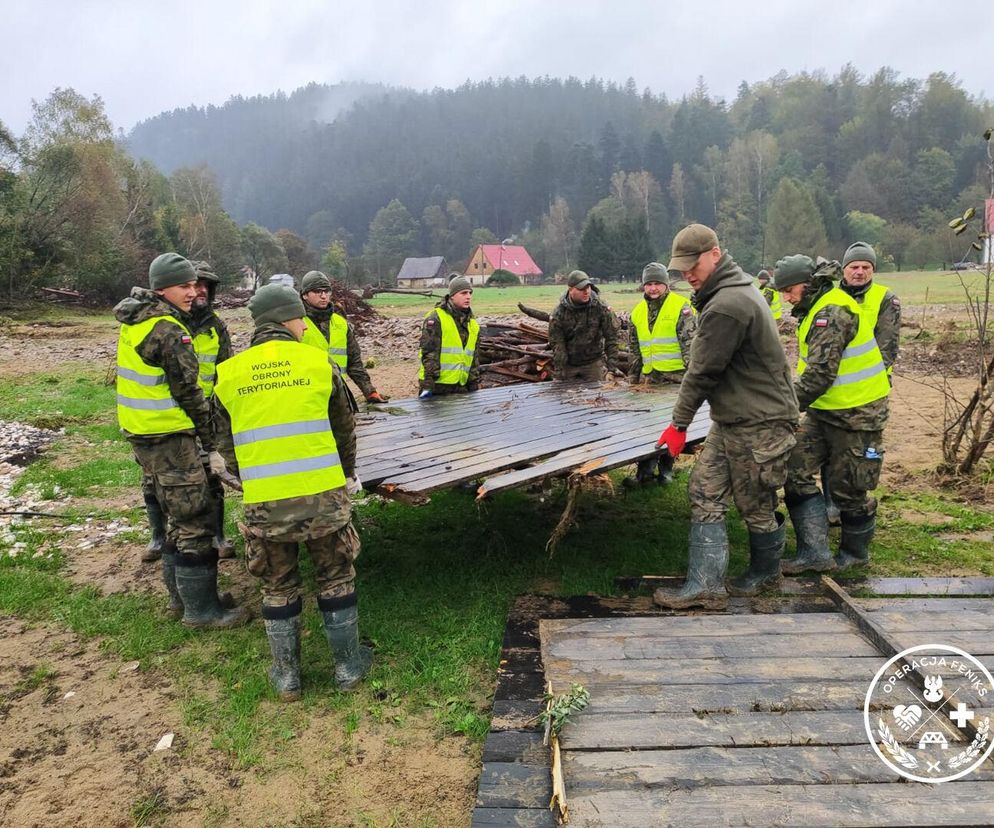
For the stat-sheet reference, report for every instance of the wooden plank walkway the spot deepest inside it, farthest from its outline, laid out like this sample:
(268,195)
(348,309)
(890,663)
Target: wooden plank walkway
(511,436)
(721,719)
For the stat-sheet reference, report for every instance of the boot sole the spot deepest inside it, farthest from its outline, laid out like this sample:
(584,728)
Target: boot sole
(740,592)
(822,567)
(219,624)
(715,603)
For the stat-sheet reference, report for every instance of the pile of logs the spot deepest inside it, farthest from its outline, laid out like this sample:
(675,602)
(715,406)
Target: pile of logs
(515,352)
(354,307)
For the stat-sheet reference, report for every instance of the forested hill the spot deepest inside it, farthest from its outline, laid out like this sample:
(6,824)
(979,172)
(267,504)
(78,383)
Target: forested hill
(325,159)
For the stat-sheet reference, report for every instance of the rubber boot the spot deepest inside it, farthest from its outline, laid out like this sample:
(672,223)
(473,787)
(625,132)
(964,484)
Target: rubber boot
(202,606)
(665,466)
(643,474)
(341,626)
(225,548)
(283,633)
(857,533)
(175,608)
(157,523)
(833,511)
(765,552)
(810,520)
(706,565)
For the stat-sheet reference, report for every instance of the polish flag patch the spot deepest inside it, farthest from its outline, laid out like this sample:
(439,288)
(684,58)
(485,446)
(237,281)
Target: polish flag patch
(186,340)
(821,323)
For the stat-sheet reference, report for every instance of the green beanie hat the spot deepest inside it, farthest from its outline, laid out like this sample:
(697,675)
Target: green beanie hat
(205,271)
(169,270)
(275,303)
(314,280)
(458,282)
(860,252)
(655,272)
(792,270)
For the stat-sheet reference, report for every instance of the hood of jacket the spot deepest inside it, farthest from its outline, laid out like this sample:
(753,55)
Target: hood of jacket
(144,304)
(269,332)
(726,274)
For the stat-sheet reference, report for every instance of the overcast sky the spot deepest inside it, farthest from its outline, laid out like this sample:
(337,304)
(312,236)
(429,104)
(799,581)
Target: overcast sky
(143,57)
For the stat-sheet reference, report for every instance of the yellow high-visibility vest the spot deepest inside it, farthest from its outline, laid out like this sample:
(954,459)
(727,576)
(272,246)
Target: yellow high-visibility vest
(455,359)
(144,404)
(870,305)
(206,345)
(660,347)
(775,307)
(336,345)
(277,394)
(862,376)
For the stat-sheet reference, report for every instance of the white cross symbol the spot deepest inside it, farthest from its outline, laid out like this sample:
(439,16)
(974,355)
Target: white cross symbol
(961,715)
(933,767)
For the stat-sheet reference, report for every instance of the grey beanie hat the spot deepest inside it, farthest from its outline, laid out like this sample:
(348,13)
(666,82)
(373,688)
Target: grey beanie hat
(458,282)
(169,270)
(860,252)
(792,270)
(764,275)
(655,272)
(314,280)
(275,303)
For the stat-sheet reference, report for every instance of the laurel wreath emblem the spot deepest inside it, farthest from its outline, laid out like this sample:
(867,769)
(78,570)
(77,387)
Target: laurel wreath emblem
(894,747)
(977,745)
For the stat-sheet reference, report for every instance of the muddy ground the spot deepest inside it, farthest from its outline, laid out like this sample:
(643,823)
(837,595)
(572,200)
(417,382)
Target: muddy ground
(77,737)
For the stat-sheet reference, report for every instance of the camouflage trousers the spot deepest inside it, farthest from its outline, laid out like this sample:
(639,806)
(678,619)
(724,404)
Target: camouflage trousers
(594,372)
(275,563)
(445,389)
(213,481)
(853,459)
(177,477)
(746,465)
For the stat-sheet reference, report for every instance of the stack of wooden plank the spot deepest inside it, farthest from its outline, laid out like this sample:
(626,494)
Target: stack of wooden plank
(516,352)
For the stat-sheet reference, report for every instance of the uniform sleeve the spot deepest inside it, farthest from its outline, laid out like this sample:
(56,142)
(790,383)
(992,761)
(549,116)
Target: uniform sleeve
(718,338)
(557,342)
(164,347)
(611,326)
(686,326)
(888,329)
(222,433)
(354,368)
(224,350)
(634,356)
(431,351)
(831,330)
(342,423)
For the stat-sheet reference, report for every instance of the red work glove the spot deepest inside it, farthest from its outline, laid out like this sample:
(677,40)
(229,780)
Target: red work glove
(376,396)
(673,439)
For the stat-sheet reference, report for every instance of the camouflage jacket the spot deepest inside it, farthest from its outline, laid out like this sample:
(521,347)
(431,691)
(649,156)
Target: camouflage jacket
(737,363)
(312,516)
(431,345)
(168,348)
(826,342)
(205,319)
(582,334)
(887,331)
(354,367)
(686,324)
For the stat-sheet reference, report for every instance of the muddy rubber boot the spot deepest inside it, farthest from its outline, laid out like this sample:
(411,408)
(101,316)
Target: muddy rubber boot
(284,643)
(857,533)
(202,606)
(706,565)
(665,466)
(643,474)
(810,520)
(224,547)
(175,608)
(341,626)
(834,518)
(765,552)
(157,523)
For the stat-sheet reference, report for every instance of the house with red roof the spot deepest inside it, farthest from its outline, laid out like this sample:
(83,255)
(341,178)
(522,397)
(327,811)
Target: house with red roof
(510,257)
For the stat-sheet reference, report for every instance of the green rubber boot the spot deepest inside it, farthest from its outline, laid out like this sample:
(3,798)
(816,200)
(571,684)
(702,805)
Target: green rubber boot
(284,644)
(175,608)
(202,606)
(765,552)
(157,524)
(810,519)
(341,626)
(706,565)
(857,534)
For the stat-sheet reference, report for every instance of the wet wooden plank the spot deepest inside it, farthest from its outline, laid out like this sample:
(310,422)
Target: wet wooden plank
(523,746)
(672,626)
(928,605)
(514,785)
(513,818)
(923,586)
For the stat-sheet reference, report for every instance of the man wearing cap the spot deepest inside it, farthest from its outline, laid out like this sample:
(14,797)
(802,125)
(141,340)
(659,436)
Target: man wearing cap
(332,332)
(659,341)
(285,428)
(448,354)
(770,294)
(162,411)
(842,387)
(738,366)
(583,333)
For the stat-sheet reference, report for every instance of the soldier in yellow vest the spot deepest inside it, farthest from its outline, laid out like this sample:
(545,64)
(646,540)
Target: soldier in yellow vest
(770,294)
(842,386)
(884,307)
(163,413)
(659,342)
(448,354)
(331,331)
(285,428)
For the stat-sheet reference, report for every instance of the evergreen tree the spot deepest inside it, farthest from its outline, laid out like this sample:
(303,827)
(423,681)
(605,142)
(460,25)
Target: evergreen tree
(393,236)
(595,254)
(794,224)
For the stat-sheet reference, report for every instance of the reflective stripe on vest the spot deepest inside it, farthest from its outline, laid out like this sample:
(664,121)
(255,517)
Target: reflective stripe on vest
(206,345)
(336,345)
(144,404)
(660,348)
(775,307)
(862,377)
(455,359)
(277,395)
(870,303)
